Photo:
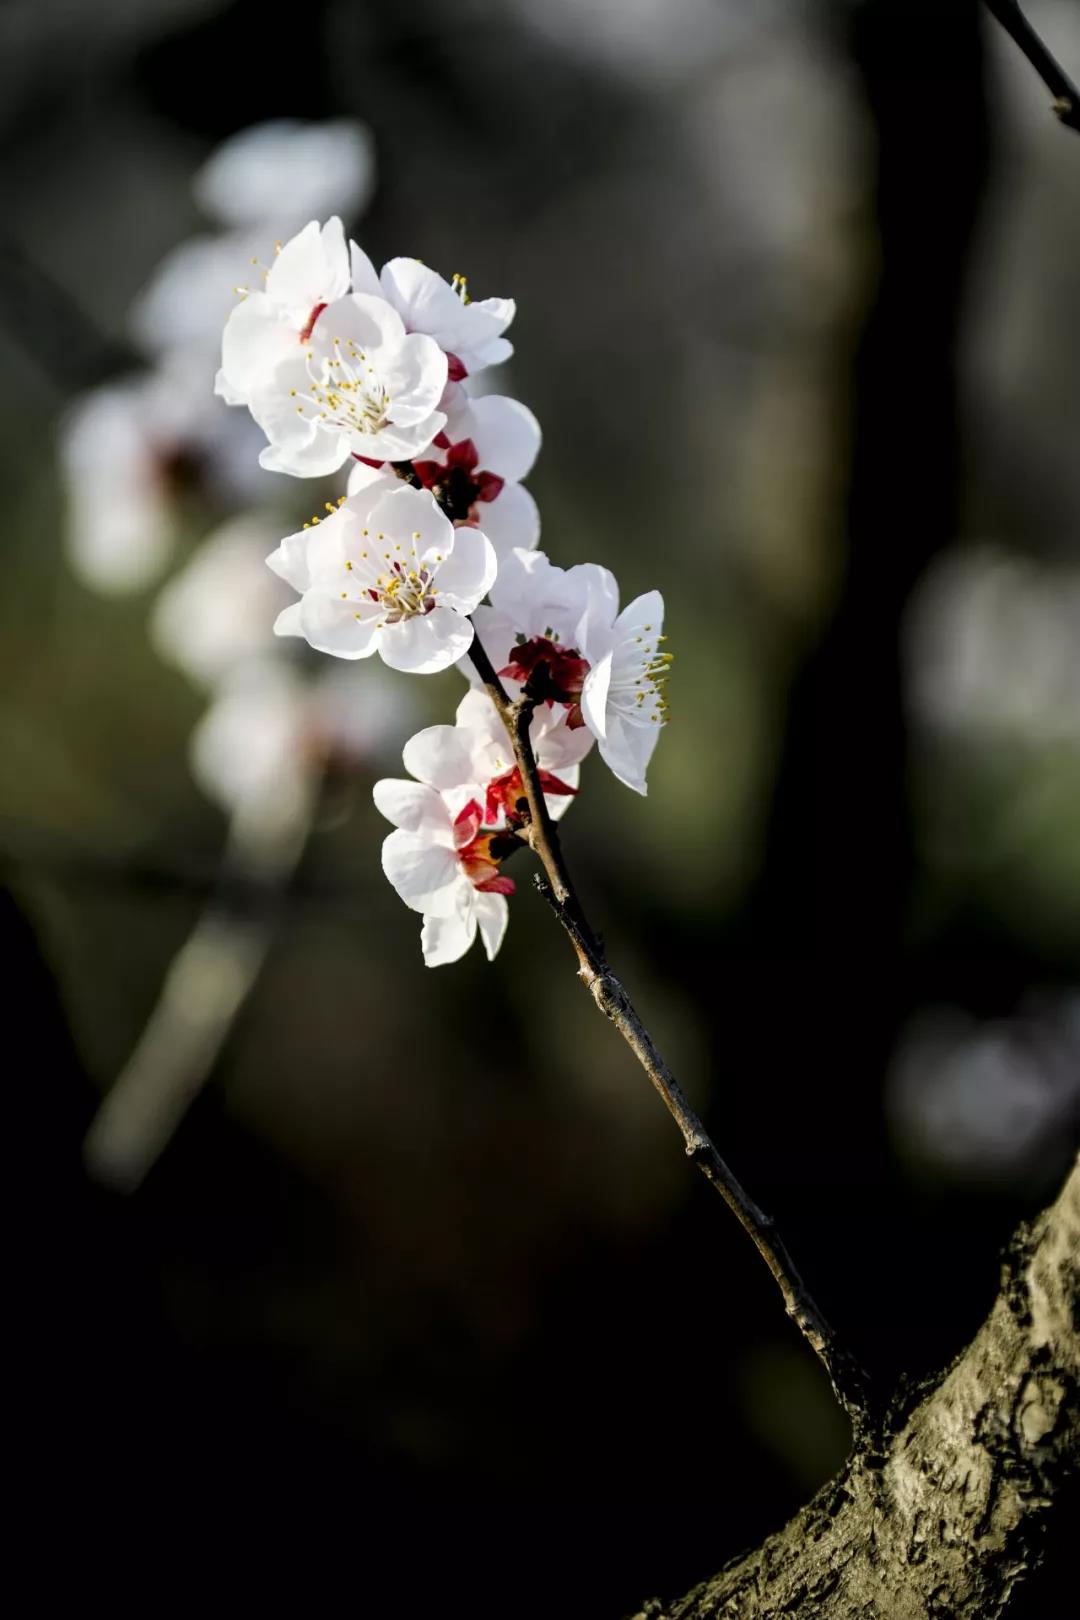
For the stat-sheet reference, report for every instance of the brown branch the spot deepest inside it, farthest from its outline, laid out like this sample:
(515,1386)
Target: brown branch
(847,1378)
(947,1515)
(1066,103)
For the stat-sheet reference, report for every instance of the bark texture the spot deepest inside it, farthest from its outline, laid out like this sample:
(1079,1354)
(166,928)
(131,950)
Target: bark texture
(944,1517)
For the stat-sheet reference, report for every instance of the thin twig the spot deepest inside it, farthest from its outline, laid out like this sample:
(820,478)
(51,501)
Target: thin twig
(848,1380)
(543,835)
(1066,103)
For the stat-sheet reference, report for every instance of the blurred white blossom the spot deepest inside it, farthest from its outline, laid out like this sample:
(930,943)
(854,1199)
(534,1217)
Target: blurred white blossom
(219,611)
(285,171)
(190,296)
(250,751)
(989,1100)
(993,647)
(124,450)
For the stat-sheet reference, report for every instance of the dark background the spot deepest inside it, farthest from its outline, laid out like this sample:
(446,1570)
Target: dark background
(423,1291)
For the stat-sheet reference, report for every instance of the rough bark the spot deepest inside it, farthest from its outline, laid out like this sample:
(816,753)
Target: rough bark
(945,1515)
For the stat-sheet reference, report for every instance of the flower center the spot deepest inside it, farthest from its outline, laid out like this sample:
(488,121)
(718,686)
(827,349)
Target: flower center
(346,390)
(405,593)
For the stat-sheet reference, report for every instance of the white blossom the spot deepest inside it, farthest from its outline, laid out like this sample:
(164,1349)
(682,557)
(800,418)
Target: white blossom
(386,572)
(558,634)
(468,331)
(458,819)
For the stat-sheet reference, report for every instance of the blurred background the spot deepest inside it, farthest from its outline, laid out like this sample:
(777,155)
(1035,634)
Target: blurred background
(423,1261)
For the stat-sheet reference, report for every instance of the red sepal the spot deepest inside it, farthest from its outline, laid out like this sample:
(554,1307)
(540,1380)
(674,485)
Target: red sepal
(496,885)
(506,791)
(551,674)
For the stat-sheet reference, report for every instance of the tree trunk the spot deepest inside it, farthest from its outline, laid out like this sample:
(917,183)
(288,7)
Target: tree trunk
(945,1516)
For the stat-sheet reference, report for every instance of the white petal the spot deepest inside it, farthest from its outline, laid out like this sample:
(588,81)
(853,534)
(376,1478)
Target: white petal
(495,632)
(320,455)
(315,457)
(337,627)
(406,515)
(364,478)
(489,354)
(469,572)
(425,874)
(646,610)
(446,939)
(255,341)
(365,278)
(312,268)
(315,556)
(559,803)
(601,604)
(628,748)
(511,519)
(440,756)
(425,301)
(289,621)
(538,597)
(415,378)
(557,745)
(492,915)
(224,389)
(506,435)
(414,807)
(477,714)
(594,697)
(359,318)
(328,547)
(423,646)
(290,561)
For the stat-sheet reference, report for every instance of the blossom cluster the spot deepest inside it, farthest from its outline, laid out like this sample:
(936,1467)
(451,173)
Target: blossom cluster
(429,555)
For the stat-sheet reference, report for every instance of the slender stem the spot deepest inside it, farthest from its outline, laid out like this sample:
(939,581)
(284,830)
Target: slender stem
(847,1378)
(543,834)
(1066,104)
